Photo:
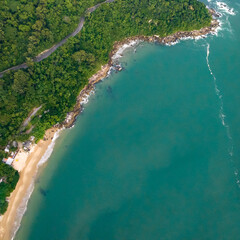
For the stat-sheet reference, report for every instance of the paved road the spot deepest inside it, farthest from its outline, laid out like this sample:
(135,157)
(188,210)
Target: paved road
(49,51)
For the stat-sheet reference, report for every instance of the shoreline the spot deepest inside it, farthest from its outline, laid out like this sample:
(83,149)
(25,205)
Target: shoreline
(117,51)
(10,221)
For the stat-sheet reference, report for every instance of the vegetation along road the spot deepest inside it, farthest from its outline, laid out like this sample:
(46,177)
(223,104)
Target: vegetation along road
(49,51)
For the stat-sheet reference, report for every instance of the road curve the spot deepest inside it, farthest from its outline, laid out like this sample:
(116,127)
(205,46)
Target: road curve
(49,51)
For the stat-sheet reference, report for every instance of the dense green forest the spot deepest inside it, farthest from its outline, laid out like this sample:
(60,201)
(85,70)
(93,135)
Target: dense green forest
(8,181)
(55,82)
(29,27)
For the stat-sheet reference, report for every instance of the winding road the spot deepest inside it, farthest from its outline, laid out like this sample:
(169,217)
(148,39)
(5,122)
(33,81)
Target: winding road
(49,51)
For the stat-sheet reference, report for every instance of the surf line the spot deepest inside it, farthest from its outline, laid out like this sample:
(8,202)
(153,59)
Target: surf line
(222,116)
(220,97)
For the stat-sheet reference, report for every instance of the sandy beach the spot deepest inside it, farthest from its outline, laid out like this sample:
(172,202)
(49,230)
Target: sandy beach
(27,175)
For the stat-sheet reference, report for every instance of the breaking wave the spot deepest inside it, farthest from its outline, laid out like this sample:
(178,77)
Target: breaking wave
(50,148)
(22,209)
(222,6)
(119,53)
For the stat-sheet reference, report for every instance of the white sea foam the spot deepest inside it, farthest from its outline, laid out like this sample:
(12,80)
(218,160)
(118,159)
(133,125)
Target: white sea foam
(229,27)
(120,51)
(236,173)
(23,206)
(218,29)
(109,71)
(225,12)
(230,150)
(214,32)
(72,126)
(172,43)
(85,97)
(225,8)
(181,39)
(21,210)
(210,70)
(200,37)
(50,148)
(222,117)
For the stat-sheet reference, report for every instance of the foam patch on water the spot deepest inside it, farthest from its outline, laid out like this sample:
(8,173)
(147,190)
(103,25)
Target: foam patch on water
(125,46)
(218,29)
(185,39)
(222,115)
(229,27)
(200,37)
(230,150)
(172,43)
(86,97)
(197,38)
(225,8)
(224,12)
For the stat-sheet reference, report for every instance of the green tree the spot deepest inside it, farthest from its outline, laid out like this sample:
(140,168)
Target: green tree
(20,83)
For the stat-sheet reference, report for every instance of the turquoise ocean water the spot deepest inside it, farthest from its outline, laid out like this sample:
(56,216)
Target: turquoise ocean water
(156,152)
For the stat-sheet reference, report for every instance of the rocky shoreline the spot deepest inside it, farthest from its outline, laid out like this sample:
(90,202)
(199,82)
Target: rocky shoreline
(169,40)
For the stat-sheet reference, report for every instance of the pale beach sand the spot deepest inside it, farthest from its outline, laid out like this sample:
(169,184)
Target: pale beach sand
(28,170)
(21,158)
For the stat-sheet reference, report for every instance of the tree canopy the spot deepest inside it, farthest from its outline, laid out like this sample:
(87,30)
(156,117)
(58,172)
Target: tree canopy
(29,27)
(8,178)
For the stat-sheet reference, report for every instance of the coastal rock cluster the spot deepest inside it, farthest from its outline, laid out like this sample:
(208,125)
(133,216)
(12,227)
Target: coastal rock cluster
(193,34)
(171,38)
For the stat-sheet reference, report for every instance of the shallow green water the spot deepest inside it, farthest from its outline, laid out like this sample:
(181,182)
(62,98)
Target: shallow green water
(150,157)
